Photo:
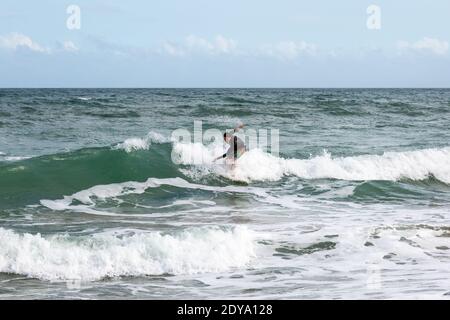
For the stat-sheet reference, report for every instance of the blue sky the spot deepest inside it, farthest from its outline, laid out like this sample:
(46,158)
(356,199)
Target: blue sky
(246,43)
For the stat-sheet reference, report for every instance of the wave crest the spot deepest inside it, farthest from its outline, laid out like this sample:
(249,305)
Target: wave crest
(62,257)
(391,166)
(256,165)
(136,143)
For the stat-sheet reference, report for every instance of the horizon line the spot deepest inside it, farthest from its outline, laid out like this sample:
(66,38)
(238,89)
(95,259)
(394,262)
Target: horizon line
(7,88)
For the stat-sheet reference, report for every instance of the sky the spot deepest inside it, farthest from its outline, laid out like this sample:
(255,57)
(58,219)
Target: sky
(233,43)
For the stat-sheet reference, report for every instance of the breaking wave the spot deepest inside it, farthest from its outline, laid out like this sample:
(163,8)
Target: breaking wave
(62,257)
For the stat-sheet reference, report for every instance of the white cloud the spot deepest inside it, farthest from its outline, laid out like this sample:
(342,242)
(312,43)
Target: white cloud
(196,44)
(69,46)
(224,45)
(14,41)
(220,45)
(435,46)
(289,50)
(173,49)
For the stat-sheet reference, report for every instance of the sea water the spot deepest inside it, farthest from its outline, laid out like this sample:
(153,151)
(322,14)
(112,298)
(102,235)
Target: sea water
(355,205)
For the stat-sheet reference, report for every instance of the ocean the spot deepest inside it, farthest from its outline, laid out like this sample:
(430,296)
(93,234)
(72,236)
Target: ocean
(356,204)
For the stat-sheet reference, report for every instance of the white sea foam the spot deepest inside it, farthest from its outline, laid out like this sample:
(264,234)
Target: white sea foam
(61,257)
(4,157)
(256,165)
(196,153)
(136,143)
(15,158)
(102,192)
(133,144)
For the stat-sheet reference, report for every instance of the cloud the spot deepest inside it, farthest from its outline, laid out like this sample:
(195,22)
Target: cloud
(194,44)
(431,45)
(173,49)
(289,50)
(220,45)
(69,46)
(14,41)
(225,45)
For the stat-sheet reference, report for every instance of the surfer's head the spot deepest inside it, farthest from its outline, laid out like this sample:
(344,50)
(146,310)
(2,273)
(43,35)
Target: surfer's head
(227,137)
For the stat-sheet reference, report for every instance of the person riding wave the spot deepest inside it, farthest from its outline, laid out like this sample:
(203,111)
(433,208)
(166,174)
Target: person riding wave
(237,146)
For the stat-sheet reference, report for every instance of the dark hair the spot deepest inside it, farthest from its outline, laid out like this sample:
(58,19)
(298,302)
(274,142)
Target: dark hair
(225,135)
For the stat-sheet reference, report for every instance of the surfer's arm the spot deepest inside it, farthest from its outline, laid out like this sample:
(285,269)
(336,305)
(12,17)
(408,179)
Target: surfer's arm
(220,157)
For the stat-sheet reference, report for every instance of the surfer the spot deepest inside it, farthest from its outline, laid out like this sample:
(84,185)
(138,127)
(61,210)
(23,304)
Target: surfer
(236,149)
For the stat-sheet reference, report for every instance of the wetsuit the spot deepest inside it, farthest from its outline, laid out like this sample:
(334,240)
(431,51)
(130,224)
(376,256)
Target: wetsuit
(237,148)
